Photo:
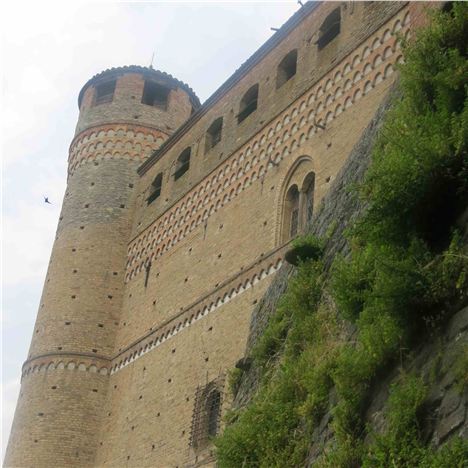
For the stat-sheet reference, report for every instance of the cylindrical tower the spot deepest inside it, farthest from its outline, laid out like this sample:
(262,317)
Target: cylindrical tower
(125,113)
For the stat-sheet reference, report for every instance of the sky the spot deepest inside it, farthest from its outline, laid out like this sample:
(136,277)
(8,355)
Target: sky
(48,51)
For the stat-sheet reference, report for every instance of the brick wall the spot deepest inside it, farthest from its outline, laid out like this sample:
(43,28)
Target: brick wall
(144,303)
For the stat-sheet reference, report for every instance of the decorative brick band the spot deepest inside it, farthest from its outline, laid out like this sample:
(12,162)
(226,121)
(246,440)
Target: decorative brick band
(70,361)
(114,141)
(224,293)
(343,86)
(227,291)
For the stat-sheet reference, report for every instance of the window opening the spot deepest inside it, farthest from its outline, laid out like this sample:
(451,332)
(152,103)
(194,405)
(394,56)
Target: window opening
(104,92)
(213,403)
(291,213)
(156,186)
(248,103)
(309,196)
(206,414)
(213,134)
(286,68)
(183,163)
(330,28)
(155,95)
(293,204)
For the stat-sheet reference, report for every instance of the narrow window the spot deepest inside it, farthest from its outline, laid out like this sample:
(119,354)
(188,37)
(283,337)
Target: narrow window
(309,187)
(248,103)
(183,163)
(155,95)
(206,414)
(292,211)
(330,28)
(156,186)
(286,68)
(212,413)
(213,134)
(294,222)
(104,92)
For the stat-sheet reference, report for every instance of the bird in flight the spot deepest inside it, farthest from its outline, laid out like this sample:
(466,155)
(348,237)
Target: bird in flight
(46,200)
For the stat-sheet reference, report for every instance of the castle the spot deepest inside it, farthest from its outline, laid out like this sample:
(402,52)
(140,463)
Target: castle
(175,219)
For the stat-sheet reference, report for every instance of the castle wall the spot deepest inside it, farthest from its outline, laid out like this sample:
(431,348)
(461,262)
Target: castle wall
(215,247)
(146,303)
(359,20)
(150,405)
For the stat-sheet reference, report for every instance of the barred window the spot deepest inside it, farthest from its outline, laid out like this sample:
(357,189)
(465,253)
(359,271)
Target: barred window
(206,414)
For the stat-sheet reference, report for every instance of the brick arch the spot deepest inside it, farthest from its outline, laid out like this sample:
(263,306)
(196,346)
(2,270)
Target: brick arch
(295,174)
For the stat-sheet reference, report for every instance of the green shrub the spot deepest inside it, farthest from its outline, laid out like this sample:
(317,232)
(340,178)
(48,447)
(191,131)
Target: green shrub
(234,379)
(407,268)
(402,444)
(304,248)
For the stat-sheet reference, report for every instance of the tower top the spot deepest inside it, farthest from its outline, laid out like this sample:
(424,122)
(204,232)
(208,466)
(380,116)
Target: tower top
(147,72)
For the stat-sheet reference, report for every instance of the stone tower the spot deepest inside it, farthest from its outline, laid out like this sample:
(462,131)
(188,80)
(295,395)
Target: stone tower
(125,114)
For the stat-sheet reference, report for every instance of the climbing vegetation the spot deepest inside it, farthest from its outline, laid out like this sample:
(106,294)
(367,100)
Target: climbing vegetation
(335,332)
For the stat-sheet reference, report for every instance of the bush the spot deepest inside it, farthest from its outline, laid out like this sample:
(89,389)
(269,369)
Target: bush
(408,266)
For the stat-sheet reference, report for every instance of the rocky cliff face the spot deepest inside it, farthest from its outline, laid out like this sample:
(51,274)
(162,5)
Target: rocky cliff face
(440,360)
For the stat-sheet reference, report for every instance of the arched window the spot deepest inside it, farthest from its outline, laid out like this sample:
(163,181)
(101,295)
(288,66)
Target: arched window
(309,188)
(183,163)
(291,213)
(213,134)
(330,28)
(298,201)
(155,95)
(286,68)
(206,414)
(155,188)
(248,103)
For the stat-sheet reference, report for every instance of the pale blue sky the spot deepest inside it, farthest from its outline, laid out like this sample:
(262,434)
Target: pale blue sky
(49,50)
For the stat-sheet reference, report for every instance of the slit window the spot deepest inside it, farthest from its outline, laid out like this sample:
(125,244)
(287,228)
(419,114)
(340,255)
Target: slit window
(156,186)
(183,163)
(248,103)
(213,135)
(155,95)
(104,92)
(286,68)
(330,28)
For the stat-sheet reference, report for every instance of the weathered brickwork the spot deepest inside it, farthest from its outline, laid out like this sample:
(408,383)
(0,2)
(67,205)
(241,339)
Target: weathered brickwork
(155,272)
